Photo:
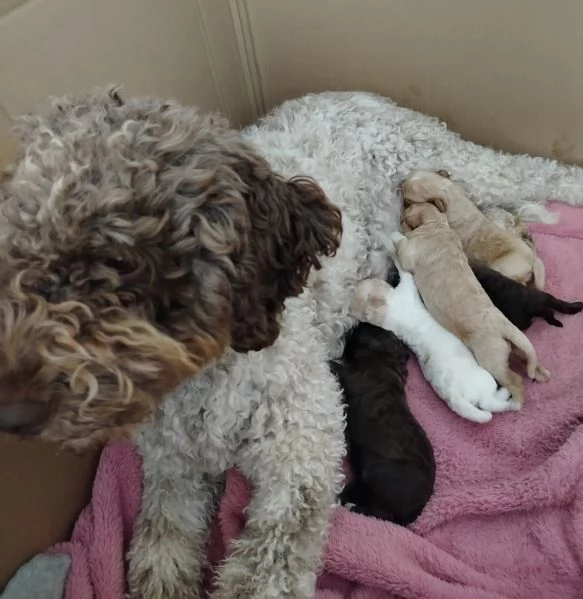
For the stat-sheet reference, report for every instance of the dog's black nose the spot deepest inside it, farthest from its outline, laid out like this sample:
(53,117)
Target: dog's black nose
(23,417)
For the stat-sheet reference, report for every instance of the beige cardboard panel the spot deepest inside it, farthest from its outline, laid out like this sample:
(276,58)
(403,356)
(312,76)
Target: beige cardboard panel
(43,492)
(6,143)
(501,73)
(8,5)
(151,47)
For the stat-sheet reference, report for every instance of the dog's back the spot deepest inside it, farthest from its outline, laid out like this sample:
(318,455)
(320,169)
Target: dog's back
(391,457)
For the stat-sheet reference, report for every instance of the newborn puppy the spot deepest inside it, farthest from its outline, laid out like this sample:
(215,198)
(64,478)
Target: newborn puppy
(447,364)
(391,457)
(520,304)
(452,294)
(482,241)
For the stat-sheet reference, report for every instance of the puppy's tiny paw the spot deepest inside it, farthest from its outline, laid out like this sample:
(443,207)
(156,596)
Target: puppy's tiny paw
(502,394)
(499,401)
(471,412)
(513,405)
(396,237)
(542,375)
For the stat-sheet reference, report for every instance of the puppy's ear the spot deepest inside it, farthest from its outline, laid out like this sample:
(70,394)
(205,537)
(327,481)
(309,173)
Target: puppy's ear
(412,218)
(439,203)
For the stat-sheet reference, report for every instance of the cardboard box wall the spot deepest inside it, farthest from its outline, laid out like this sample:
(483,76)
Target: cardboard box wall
(501,73)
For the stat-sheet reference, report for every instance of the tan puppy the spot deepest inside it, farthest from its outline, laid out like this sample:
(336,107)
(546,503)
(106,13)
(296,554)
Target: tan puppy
(482,241)
(452,294)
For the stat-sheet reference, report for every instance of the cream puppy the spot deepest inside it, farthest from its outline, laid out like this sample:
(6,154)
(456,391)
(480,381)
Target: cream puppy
(434,255)
(447,364)
(482,240)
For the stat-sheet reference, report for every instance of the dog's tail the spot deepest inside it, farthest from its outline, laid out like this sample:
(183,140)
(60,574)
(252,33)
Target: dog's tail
(525,348)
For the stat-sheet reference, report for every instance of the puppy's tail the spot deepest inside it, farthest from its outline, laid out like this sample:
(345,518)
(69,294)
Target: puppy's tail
(565,307)
(525,348)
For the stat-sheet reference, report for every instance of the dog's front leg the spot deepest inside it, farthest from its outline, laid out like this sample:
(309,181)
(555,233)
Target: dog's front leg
(295,467)
(167,552)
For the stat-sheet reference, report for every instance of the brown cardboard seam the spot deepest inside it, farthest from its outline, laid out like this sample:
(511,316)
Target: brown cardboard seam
(7,5)
(4,113)
(249,64)
(212,60)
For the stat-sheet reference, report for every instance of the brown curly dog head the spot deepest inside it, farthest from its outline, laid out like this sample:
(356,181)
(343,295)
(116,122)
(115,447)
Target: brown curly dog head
(138,240)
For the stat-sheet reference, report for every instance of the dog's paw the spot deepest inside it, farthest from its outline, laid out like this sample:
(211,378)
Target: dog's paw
(258,568)
(161,565)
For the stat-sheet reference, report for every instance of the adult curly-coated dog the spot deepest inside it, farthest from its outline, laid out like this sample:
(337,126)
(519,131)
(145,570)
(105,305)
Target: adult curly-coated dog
(275,413)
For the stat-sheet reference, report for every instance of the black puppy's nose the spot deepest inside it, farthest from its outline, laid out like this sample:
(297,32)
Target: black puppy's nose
(23,417)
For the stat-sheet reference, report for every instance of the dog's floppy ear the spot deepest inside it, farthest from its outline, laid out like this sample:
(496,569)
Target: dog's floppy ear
(292,226)
(439,203)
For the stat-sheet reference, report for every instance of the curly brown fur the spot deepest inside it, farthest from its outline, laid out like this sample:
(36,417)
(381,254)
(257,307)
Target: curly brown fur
(139,239)
(521,304)
(391,456)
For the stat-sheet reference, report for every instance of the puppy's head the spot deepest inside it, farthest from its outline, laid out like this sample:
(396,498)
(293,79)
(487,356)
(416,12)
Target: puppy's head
(421,214)
(371,301)
(368,342)
(427,186)
(139,240)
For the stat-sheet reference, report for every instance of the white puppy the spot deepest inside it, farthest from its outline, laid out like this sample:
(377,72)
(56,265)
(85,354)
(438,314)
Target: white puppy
(447,364)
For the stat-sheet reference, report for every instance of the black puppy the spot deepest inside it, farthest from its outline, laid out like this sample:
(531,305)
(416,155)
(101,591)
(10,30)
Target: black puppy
(391,457)
(520,304)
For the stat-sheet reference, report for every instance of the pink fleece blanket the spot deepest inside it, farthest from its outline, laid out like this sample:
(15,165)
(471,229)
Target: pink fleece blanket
(506,520)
